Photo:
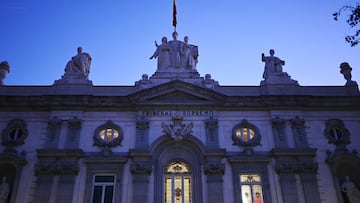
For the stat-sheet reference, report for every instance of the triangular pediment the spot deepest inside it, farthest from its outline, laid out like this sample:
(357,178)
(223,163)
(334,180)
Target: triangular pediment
(177,92)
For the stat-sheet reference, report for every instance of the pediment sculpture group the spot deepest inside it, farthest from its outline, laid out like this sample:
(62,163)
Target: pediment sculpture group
(175,53)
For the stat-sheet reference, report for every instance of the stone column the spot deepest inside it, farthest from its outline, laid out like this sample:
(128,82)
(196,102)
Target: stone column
(298,129)
(286,167)
(278,125)
(53,133)
(212,133)
(214,173)
(140,170)
(73,135)
(142,133)
(308,169)
(288,187)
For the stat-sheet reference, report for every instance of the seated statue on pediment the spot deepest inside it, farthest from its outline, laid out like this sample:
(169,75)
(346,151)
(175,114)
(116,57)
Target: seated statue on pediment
(273,65)
(79,64)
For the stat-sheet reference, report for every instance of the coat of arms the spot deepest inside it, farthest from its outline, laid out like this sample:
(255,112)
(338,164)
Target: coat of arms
(177,130)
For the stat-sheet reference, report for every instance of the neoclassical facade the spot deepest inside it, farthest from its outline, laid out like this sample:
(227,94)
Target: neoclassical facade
(178,137)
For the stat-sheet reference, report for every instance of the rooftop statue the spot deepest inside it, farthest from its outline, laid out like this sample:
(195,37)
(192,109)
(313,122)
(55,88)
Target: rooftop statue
(79,64)
(175,59)
(188,57)
(345,69)
(163,53)
(4,70)
(176,53)
(273,64)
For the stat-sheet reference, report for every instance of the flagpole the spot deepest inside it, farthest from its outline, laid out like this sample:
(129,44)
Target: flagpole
(174,15)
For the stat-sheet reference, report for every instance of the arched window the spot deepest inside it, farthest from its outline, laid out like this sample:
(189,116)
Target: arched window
(178,182)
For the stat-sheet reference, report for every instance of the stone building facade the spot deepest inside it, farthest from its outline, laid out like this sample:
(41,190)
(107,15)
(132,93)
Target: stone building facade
(179,137)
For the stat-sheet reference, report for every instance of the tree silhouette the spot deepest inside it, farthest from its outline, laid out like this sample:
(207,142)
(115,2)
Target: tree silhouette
(352,20)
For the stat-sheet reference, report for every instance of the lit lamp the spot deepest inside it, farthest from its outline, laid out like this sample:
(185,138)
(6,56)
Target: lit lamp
(4,70)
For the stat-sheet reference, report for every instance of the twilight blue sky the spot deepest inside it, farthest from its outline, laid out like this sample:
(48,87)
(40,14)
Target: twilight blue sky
(38,38)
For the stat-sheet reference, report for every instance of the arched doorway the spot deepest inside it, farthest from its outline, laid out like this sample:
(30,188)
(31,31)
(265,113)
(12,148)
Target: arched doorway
(177,170)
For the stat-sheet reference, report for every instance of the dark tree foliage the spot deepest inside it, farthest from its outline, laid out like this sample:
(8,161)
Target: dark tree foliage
(352,20)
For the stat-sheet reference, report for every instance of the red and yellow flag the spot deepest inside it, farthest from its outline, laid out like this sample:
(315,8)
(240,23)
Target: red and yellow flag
(174,14)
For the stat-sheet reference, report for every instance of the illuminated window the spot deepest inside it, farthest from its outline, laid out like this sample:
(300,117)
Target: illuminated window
(108,135)
(245,133)
(177,183)
(251,188)
(103,189)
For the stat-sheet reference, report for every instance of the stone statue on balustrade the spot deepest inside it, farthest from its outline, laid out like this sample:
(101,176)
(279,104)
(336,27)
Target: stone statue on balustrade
(208,82)
(144,82)
(273,65)
(79,64)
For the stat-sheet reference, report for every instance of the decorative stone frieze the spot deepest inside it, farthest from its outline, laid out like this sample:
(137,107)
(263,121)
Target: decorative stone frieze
(57,167)
(141,168)
(293,167)
(58,162)
(295,161)
(214,169)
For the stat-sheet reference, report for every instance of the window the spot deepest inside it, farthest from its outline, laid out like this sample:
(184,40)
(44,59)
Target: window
(251,188)
(177,182)
(336,133)
(15,133)
(246,134)
(108,135)
(103,189)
